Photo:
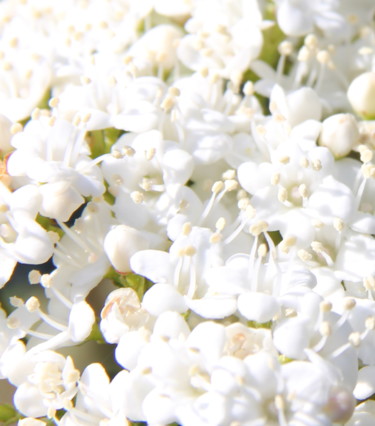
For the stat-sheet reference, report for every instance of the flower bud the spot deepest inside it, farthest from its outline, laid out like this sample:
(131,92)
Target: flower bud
(339,134)
(361,95)
(121,243)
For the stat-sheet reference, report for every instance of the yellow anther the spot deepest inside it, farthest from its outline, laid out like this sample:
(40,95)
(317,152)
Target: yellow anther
(34,276)
(287,243)
(16,128)
(137,197)
(217,187)
(220,224)
(316,164)
(186,228)
(230,185)
(325,329)
(53,102)
(355,339)
(325,306)
(275,179)
(284,159)
(304,255)
(338,224)
(32,304)
(190,251)
(259,227)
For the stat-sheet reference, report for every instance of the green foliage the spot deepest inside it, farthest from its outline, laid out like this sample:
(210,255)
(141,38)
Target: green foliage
(101,141)
(254,324)
(138,283)
(8,414)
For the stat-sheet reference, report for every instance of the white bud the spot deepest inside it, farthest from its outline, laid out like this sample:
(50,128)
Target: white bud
(361,95)
(121,243)
(339,134)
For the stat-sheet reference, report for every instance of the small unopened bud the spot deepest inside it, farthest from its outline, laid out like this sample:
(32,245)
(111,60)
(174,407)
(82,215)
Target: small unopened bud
(339,134)
(361,95)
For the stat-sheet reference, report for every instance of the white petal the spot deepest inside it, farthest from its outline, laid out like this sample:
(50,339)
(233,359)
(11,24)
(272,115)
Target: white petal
(258,307)
(81,320)
(163,297)
(366,383)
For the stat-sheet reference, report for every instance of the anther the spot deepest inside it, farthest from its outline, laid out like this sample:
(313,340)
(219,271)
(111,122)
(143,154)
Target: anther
(325,306)
(150,154)
(325,329)
(174,91)
(366,155)
(186,228)
(16,302)
(46,280)
(248,89)
(36,114)
(311,41)
(32,304)
(368,170)
(370,323)
(287,243)
(229,174)
(215,238)
(369,283)
(323,57)
(53,102)
(285,159)
(349,303)
(285,48)
(16,128)
(220,224)
(217,187)
(282,195)
(259,227)
(190,251)
(275,179)
(34,276)
(304,162)
(302,189)
(355,339)
(230,185)
(137,197)
(262,250)
(338,224)
(316,164)
(304,255)
(128,151)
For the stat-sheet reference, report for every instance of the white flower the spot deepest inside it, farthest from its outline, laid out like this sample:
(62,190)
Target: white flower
(318,395)
(297,18)
(98,401)
(55,154)
(22,239)
(121,243)
(45,383)
(180,276)
(79,256)
(121,313)
(232,38)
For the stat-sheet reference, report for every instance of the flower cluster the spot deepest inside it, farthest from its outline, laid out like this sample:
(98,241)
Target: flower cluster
(198,179)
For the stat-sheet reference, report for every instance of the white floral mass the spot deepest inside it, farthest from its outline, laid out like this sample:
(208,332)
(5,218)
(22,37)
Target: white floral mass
(192,184)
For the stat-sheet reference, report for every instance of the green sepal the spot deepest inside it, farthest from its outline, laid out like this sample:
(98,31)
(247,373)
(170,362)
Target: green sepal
(96,334)
(8,414)
(284,359)
(101,141)
(138,283)
(254,324)
(49,224)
